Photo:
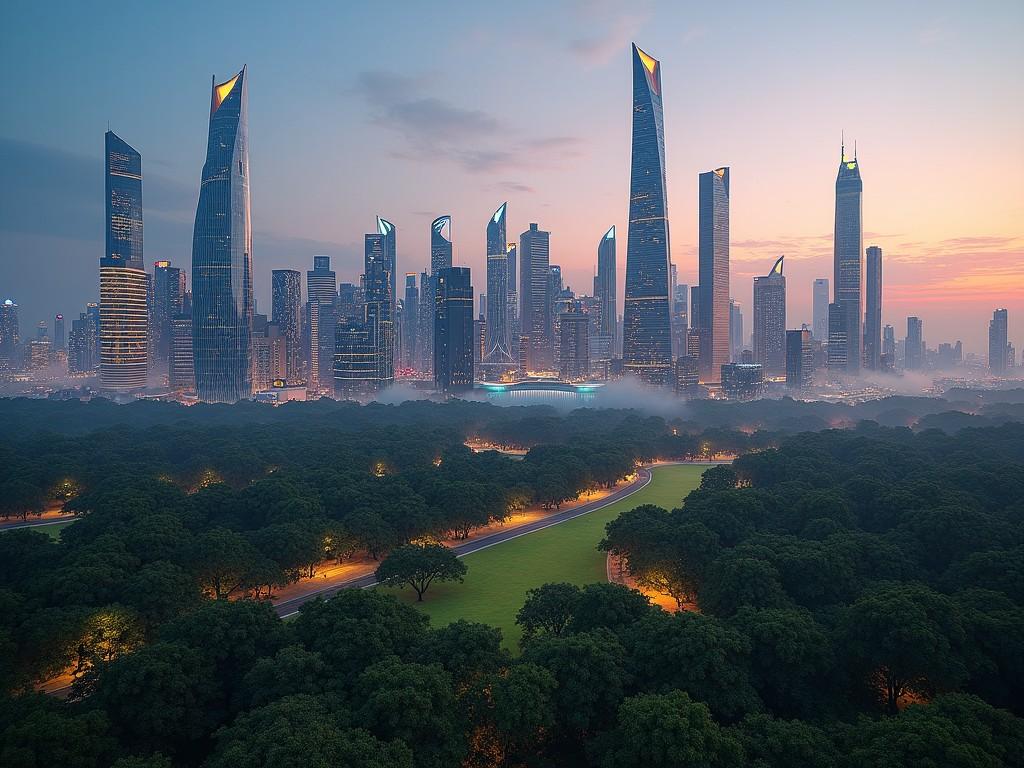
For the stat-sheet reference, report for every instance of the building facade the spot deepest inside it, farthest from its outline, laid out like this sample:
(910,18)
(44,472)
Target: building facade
(819,310)
(498,342)
(180,367)
(286,307)
(222,294)
(453,330)
(713,271)
(770,320)
(535,298)
(606,285)
(873,309)
(998,346)
(379,306)
(847,249)
(646,331)
(913,347)
(799,359)
(168,301)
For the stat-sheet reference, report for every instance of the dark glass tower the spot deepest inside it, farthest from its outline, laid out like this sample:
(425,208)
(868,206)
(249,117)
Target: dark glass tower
(998,347)
(222,300)
(453,330)
(497,348)
(847,250)
(712,318)
(168,302)
(378,306)
(647,337)
(390,244)
(286,304)
(124,285)
(606,284)
(770,320)
(873,309)
(440,244)
(535,297)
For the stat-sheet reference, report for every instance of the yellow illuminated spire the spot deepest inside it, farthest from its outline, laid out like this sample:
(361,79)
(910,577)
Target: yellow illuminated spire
(222,91)
(651,65)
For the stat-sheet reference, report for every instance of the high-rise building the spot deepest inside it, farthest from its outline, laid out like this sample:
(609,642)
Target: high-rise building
(574,346)
(647,335)
(742,381)
(847,250)
(321,281)
(440,258)
(512,257)
(222,296)
(440,244)
(410,320)
(836,338)
(58,332)
(687,375)
(534,296)
(389,236)
(606,284)
(680,317)
(270,358)
(168,301)
(735,330)
(799,359)
(498,344)
(355,359)
(819,310)
(286,306)
(888,347)
(914,345)
(180,368)
(124,295)
(9,336)
(713,272)
(321,294)
(873,309)
(453,330)
(42,330)
(998,347)
(379,306)
(770,320)
(82,345)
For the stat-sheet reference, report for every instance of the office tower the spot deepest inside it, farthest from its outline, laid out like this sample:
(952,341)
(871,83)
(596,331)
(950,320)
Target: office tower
(378,311)
(389,239)
(222,298)
(355,359)
(410,319)
(914,345)
(735,329)
(270,358)
(8,335)
(180,368)
(680,318)
(889,343)
(687,375)
(998,348)
(799,359)
(837,348)
(82,345)
(440,258)
(286,306)
(124,300)
(770,320)
(574,346)
(39,351)
(511,255)
(819,310)
(440,244)
(349,306)
(168,301)
(58,332)
(453,330)
(321,281)
(425,326)
(647,341)
(498,345)
(742,381)
(873,309)
(847,250)
(605,286)
(534,289)
(42,330)
(321,293)
(713,272)
(92,313)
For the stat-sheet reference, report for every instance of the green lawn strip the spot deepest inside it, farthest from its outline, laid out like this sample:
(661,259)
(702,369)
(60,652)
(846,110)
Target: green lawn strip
(51,529)
(500,576)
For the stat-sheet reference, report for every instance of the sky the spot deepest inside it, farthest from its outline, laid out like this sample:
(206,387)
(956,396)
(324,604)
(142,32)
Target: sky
(413,109)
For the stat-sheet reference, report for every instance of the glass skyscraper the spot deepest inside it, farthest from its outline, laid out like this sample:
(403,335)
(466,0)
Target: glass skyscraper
(606,285)
(124,286)
(390,244)
(378,306)
(453,330)
(535,295)
(222,298)
(647,337)
(873,309)
(847,250)
(286,305)
(712,316)
(497,349)
(819,303)
(770,320)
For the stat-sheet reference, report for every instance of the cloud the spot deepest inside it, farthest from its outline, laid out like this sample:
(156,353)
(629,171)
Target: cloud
(513,186)
(608,32)
(438,130)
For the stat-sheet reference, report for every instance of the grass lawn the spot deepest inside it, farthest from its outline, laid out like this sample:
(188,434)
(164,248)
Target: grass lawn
(52,530)
(499,577)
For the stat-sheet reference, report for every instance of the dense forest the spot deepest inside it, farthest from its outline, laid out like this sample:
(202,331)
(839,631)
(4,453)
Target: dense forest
(861,597)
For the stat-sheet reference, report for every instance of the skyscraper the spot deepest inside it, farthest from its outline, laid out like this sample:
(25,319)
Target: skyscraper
(222,298)
(713,271)
(498,345)
(574,344)
(321,281)
(873,309)
(9,336)
(168,301)
(124,295)
(453,330)
(770,320)
(511,256)
(913,347)
(534,296)
(735,330)
(606,285)
(440,258)
(390,246)
(819,311)
(286,307)
(355,359)
(647,339)
(847,250)
(180,367)
(998,347)
(321,293)
(58,332)
(379,317)
(440,244)
(410,320)
(799,359)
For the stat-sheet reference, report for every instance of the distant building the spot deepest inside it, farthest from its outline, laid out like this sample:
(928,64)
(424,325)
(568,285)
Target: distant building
(713,265)
(847,254)
(180,369)
(998,347)
(410,322)
(40,351)
(799,359)
(687,375)
(914,345)
(606,284)
(873,309)
(58,333)
(888,348)
(837,347)
(534,297)
(270,357)
(453,330)
(574,331)
(9,335)
(735,329)
(286,304)
(742,381)
(379,317)
(168,301)
(770,320)
(498,344)
(819,299)
(321,295)
(355,362)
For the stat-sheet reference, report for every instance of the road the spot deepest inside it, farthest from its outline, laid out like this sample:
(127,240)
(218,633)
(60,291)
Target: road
(37,523)
(288,608)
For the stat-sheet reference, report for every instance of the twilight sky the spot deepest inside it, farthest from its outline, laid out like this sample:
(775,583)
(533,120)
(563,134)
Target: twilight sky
(413,109)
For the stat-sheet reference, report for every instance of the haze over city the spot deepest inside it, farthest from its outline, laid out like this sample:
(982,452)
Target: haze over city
(461,107)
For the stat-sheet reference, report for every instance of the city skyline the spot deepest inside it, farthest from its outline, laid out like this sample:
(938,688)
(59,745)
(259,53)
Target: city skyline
(941,249)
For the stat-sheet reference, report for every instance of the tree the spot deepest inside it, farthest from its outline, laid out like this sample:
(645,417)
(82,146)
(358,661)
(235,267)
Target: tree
(37,731)
(903,638)
(548,610)
(522,707)
(611,606)
(735,581)
(720,477)
(419,565)
(222,561)
(665,731)
(467,650)
(771,743)
(161,590)
(291,671)
(371,530)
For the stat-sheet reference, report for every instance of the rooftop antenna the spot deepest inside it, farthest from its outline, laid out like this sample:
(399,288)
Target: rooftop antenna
(842,146)
(855,150)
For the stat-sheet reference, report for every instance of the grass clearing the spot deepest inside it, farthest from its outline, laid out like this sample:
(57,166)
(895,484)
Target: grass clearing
(499,577)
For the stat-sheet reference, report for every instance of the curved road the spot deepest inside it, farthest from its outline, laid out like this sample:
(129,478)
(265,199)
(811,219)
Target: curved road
(290,607)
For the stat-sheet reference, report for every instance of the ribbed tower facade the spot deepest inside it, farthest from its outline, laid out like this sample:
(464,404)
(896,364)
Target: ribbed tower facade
(222,298)
(770,320)
(845,355)
(378,306)
(124,287)
(712,316)
(390,244)
(440,258)
(647,337)
(873,309)
(606,285)
(498,345)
